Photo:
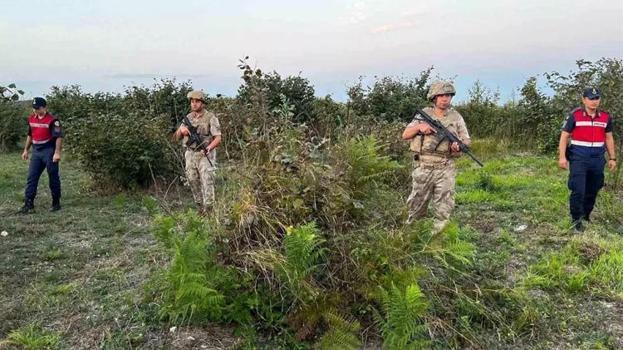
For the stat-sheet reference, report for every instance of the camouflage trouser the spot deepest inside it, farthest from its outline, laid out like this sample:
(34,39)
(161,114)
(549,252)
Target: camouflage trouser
(200,176)
(436,181)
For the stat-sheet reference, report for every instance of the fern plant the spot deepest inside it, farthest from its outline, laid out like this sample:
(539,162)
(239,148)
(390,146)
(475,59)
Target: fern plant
(402,325)
(342,333)
(192,291)
(301,254)
(366,166)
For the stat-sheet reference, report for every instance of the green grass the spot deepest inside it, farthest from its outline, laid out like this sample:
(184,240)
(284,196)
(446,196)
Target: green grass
(519,204)
(33,337)
(76,272)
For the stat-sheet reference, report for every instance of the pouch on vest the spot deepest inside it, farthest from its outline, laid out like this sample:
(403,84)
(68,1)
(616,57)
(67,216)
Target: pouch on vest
(416,143)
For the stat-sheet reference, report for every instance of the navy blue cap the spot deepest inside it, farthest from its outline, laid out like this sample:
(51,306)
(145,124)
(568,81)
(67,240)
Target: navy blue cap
(591,92)
(38,102)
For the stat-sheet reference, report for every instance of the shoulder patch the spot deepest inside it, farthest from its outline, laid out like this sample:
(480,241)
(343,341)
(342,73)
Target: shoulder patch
(57,123)
(566,120)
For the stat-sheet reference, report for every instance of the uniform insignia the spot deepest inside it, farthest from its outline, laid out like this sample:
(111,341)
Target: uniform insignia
(594,91)
(57,123)
(565,121)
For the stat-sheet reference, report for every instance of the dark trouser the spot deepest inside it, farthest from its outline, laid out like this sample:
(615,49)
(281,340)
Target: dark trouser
(586,178)
(42,159)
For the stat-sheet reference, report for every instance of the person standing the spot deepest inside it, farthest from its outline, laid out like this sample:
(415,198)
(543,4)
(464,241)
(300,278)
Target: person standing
(585,137)
(200,158)
(434,171)
(45,136)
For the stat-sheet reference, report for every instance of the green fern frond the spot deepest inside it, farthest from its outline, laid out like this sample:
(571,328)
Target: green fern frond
(343,332)
(402,325)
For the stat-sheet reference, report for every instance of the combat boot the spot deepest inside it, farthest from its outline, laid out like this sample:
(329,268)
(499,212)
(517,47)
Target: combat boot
(56,205)
(578,226)
(29,207)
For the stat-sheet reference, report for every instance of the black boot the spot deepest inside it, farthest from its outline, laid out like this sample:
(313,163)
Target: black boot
(578,226)
(29,207)
(56,205)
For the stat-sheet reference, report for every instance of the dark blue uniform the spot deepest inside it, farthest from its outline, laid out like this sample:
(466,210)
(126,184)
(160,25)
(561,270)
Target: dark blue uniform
(40,160)
(586,160)
(43,132)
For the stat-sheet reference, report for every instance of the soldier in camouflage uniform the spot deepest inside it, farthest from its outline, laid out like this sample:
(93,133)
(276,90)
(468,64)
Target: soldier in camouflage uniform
(434,172)
(201,158)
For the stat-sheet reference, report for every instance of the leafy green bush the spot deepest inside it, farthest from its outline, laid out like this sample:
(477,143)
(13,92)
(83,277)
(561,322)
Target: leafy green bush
(295,89)
(123,139)
(12,117)
(166,97)
(122,150)
(391,99)
(13,124)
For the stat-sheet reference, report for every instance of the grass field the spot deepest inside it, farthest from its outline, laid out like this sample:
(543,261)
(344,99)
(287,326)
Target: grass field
(79,278)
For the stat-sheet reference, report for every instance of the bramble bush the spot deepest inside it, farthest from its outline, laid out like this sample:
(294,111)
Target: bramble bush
(122,150)
(12,117)
(123,140)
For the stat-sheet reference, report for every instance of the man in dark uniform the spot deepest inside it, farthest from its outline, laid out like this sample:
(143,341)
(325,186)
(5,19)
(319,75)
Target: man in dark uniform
(45,135)
(586,134)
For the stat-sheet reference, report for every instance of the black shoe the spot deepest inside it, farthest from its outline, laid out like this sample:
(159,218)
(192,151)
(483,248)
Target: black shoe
(29,207)
(26,209)
(55,207)
(586,218)
(578,227)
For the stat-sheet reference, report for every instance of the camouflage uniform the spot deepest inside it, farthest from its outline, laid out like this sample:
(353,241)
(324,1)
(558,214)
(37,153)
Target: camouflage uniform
(199,168)
(434,171)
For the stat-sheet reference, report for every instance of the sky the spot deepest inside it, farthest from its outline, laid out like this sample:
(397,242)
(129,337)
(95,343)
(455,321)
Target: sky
(107,45)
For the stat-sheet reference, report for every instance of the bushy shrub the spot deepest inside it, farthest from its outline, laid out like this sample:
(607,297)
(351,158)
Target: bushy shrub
(122,150)
(13,124)
(123,139)
(12,117)
(165,97)
(295,89)
(70,103)
(390,98)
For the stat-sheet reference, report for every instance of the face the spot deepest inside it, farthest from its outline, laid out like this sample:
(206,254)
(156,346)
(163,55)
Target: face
(591,104)
(196,105)
(443,101)
(40,110)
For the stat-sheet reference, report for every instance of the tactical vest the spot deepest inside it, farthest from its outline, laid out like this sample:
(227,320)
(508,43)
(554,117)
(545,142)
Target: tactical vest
(203,128)
(430,144)
(40,132)
(588,131)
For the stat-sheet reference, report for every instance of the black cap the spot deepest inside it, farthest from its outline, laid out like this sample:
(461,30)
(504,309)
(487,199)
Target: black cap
(591,92)
(38,102)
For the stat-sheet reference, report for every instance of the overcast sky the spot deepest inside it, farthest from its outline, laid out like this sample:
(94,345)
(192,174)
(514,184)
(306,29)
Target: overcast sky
(106,45)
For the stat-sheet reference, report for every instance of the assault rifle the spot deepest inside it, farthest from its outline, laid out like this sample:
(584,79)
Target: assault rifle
(195,139)
(443,133)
